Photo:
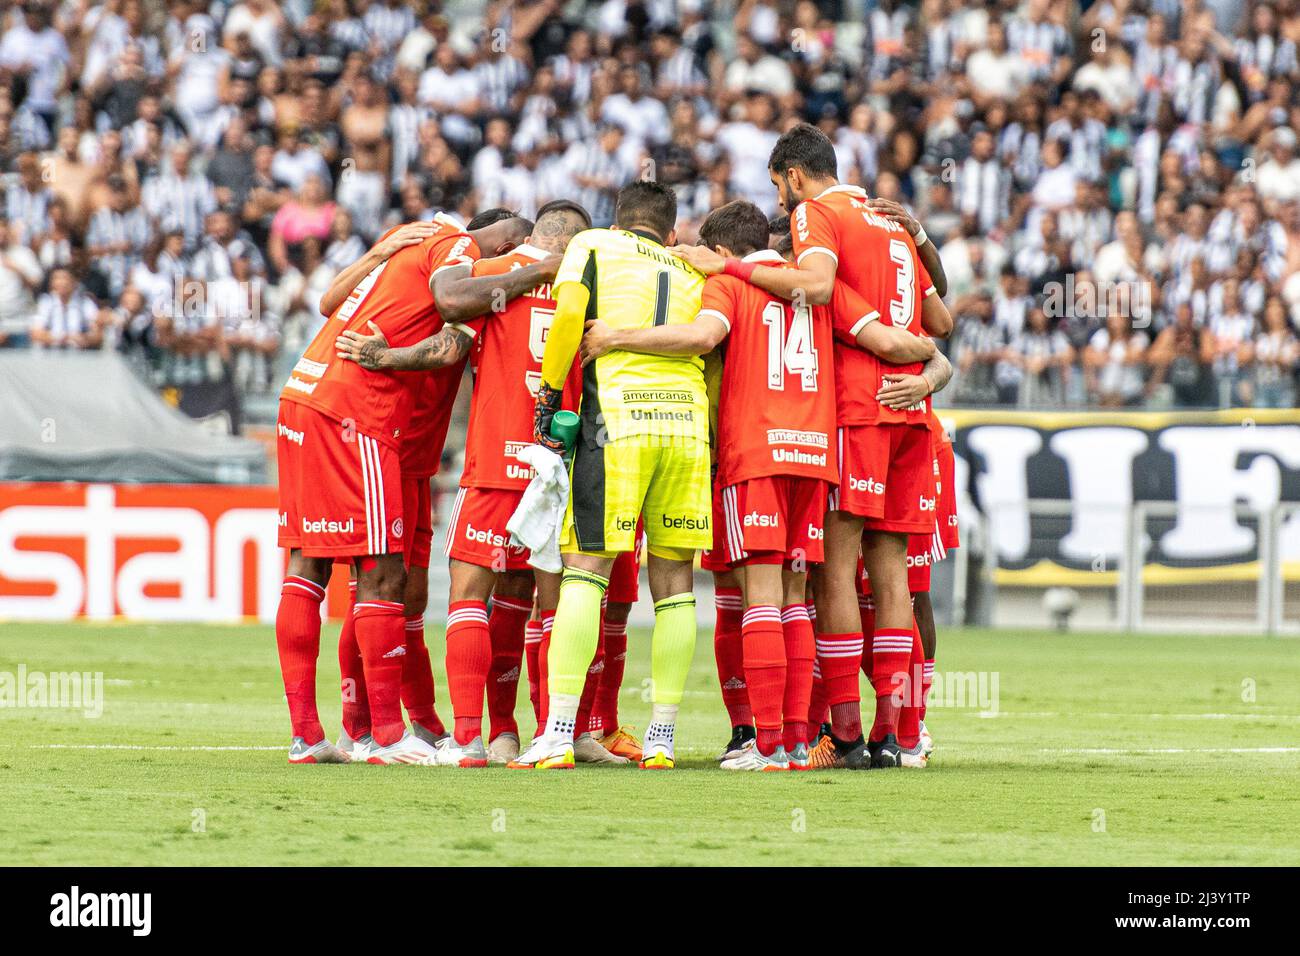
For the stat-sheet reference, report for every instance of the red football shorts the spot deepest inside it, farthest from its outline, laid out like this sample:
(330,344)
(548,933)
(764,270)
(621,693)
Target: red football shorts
(887,477)
(774,519)
(625,575)
(417,509)
(715,558)
(920,558)
(340,490)
(476,531)
(947,481)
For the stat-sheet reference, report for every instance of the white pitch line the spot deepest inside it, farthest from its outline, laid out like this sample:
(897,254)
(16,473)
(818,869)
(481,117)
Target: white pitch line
(1171,750)
(1090,713)
(136,747)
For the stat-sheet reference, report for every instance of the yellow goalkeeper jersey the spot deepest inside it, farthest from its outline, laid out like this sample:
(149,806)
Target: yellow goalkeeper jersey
(635,283)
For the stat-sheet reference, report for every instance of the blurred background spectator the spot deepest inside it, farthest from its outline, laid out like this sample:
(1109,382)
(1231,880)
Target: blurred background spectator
(1114,185)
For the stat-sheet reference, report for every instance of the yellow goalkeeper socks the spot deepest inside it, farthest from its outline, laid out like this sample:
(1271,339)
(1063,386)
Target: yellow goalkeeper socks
(574,635)
(673,647)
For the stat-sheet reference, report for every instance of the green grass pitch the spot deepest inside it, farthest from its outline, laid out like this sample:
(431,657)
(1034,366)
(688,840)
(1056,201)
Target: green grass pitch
(1105,749)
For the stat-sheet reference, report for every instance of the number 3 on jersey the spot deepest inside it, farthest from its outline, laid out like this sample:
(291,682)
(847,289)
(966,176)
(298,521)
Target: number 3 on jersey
(901,312)
(793,351)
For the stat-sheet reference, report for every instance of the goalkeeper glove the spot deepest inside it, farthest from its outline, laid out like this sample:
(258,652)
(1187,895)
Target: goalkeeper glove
(548,403)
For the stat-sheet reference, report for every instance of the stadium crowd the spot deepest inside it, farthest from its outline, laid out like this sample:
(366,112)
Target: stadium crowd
(1115,185)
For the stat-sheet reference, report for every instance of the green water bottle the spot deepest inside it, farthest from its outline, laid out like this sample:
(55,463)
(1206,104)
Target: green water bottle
(564,426)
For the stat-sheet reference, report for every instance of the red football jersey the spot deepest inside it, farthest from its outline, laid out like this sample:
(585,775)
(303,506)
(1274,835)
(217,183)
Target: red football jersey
(507,364)
(426,433)
(776,408)
(395,296)
(877,258)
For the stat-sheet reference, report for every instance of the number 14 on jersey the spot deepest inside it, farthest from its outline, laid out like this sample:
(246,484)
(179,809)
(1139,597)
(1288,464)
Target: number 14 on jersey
(791,351)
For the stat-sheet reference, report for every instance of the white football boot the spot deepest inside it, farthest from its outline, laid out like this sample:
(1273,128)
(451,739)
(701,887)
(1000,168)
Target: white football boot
(545,753)
(916,758)
(587,749)
(410,749)
(428,736)
(452,754)
(321,752)
(358,749)
(657,755)
(503,749)
(751,759)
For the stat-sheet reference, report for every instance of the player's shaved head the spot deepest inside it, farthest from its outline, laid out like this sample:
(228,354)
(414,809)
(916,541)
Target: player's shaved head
(648,206)
(488,216)
(739,227)
(558,221)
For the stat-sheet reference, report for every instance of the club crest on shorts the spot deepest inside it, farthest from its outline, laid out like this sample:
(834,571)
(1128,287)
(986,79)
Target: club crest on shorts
(397,527)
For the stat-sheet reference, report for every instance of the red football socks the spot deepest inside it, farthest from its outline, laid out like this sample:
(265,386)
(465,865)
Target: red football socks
(838,656)
(543,650)
(417,679)
(819,709)
(604,713)
(582,723)
(297,637)
(800,652)
(909,716)
(352,674)
(729,653)
(469,655)
(927,681)
(532,644)
(764,653)
(506,626)
(381,634)
(891,649)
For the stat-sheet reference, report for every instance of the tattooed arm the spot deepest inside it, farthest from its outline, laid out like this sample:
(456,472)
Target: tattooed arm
(447,347)
(904,391)
(460,296)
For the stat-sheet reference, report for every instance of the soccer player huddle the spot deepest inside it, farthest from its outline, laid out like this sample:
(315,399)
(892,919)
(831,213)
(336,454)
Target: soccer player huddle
(762,397)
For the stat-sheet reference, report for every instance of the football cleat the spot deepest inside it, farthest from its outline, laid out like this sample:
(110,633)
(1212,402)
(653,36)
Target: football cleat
(357,749)
(451,754)
(831,754)
(855,755)
(321,752)
(823,756)
(545,753)
(884,753)
(427,735)
(587,749)
(927,742)
(410,749)
(657,755)
(742,736)
(622,743)
(752,759)
(503,749)
(916,757)
(800,757)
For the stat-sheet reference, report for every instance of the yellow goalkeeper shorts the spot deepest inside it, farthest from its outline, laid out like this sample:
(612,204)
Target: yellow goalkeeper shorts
(664,479)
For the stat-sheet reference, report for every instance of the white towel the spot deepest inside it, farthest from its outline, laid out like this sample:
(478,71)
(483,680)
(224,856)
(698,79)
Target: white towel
(536,522)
